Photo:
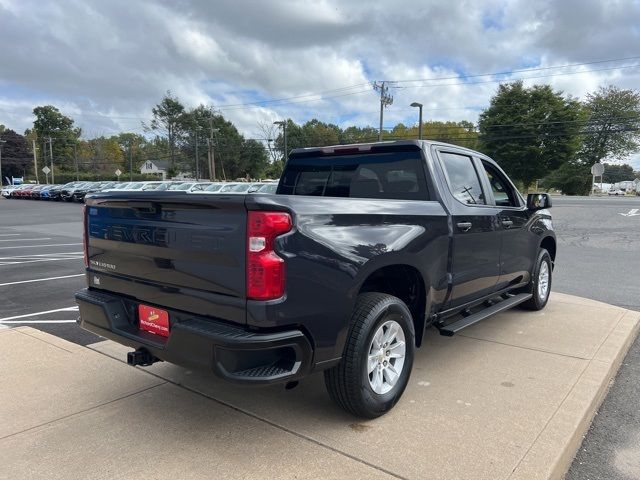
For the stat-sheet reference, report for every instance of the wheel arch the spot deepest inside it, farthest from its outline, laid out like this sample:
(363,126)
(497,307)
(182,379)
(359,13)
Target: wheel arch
(549,244)
(408,284)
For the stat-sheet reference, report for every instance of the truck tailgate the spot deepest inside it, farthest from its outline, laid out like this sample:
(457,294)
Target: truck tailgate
(172,249)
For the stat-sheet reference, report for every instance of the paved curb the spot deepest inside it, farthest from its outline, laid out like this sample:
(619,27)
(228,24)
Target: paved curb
(553,451)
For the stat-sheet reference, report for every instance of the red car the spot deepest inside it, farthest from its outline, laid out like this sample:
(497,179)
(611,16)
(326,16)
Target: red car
(23,192)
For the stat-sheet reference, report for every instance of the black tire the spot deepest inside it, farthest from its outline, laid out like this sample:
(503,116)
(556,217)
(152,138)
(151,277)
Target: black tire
(348,383)
(537,302)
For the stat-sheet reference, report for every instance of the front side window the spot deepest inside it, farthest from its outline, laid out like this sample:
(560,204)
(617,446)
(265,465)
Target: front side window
(503,194)
(463,178)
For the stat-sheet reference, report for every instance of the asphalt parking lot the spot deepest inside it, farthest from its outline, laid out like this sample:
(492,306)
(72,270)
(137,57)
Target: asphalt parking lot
(41,267)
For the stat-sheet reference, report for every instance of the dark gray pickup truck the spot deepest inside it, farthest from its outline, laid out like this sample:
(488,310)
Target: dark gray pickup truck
(361,249)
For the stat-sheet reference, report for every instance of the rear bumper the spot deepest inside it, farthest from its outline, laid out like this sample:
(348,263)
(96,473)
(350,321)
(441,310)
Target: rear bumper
(233,353)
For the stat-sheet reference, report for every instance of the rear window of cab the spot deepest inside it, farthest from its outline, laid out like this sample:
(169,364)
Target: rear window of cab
(391,175)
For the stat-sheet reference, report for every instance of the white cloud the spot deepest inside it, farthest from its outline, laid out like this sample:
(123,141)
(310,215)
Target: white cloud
(107,63)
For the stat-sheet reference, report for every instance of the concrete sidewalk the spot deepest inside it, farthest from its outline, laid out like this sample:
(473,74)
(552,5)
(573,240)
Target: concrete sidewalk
(508,398)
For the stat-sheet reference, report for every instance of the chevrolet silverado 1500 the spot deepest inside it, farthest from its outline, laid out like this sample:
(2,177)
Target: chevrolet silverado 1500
(360,250)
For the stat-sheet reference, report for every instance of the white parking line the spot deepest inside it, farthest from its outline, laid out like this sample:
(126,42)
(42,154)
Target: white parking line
(25,239)
(32,322)
(40,257)
(42,260)
(41,279)
(10,234)
(37,255)
(38,246)
(35,314)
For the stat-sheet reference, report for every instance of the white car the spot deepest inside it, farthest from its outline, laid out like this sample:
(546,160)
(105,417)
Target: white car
(617,192)
(236,188)
(190,187)
(7,189)
(264,188)
(117,187)
(213,187)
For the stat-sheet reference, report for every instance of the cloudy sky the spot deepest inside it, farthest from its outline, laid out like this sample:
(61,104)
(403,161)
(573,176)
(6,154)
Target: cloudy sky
(106,64)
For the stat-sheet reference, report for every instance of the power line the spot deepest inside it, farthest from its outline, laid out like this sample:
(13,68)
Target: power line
(522,70)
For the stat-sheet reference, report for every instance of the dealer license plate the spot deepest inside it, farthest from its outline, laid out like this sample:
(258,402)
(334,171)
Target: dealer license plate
(154,320)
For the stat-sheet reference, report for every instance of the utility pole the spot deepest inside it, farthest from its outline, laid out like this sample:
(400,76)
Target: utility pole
(35,160)
(44,159)
(2,142)
(130,162)
(212,159)
(53,175)
(385,100)
(197,158)
(285,153)
(75,159)
(209,157)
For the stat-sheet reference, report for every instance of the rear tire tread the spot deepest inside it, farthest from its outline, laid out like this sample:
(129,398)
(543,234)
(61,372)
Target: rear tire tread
(338,379)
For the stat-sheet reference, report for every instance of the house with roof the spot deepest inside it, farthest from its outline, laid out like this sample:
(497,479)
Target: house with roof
(158,167)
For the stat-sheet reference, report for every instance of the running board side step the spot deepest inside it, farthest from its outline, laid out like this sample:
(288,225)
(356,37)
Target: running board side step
(452,328)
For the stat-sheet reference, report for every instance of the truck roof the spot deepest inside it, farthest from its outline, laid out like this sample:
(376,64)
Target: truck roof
(371,145)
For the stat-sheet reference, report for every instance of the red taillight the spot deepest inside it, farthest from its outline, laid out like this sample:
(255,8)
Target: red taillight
(265,269)
(85,236)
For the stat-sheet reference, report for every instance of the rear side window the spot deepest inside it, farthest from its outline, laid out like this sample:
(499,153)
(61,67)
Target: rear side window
(393,175)
(463,178)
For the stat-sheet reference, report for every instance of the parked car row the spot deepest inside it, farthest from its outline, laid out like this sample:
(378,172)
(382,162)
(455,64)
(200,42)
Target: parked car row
(76,191)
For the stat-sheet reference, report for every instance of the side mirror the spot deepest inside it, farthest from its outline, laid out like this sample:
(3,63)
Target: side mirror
(538,201)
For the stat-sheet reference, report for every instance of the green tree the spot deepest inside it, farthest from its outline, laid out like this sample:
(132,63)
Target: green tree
(135,150)
(51,124)
(101,155)
(463,133)
(169,120)
(359,135)
(572,178)
(316,133)
(530,131)
(617,173)
(253,161)
(613,125)
(16,158)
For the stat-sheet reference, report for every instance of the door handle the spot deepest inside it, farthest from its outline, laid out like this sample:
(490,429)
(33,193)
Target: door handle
(507,223)
(464,226)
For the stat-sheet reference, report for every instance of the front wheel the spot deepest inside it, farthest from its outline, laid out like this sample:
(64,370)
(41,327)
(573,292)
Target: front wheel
(540,285)
(378,357)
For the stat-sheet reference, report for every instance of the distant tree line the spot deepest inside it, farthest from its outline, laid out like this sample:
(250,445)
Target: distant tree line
(536,134)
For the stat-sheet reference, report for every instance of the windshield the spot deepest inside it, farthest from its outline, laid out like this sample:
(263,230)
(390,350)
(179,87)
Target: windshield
(268,188)
(183,186)
(241,187)
(165,186)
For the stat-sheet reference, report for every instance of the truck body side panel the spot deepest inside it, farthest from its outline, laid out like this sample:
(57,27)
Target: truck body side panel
(336,244)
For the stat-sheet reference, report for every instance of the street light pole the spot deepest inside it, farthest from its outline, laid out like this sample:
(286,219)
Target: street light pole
(283,124)
(419,105)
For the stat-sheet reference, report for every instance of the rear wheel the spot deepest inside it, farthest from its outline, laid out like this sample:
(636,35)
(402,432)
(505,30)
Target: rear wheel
(540,285)
(378,357)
